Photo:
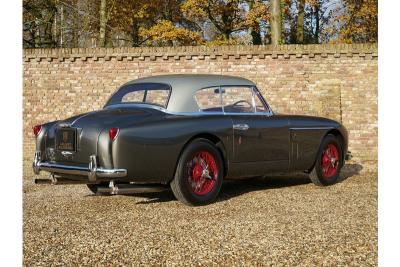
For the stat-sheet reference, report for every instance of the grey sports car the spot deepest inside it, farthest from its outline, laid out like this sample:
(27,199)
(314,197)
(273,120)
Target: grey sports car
(188,132)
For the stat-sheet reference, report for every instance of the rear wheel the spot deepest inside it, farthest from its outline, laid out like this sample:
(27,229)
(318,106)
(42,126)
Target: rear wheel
(329,161)
(198,177)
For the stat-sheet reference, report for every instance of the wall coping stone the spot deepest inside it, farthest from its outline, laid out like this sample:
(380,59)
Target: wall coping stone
(187,52)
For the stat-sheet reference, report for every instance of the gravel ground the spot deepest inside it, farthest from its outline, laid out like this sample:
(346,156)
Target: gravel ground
(277,221)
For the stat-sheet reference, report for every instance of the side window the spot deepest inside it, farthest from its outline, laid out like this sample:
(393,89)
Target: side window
(158,97)
(134,96)
(260,106)
(237,99)
(209,99)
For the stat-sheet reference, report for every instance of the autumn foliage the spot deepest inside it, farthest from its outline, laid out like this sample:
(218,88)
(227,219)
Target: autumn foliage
(114,23)
(166,33)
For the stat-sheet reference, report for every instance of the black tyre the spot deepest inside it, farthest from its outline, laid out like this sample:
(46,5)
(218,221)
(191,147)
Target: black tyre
(199,174)
(93,188)
(329,162)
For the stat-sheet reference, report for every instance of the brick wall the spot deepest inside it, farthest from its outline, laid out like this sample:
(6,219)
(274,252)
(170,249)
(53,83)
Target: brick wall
(336,81)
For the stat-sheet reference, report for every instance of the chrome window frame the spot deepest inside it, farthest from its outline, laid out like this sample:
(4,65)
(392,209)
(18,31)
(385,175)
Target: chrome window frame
(255,93)
(258,94)
(142,103)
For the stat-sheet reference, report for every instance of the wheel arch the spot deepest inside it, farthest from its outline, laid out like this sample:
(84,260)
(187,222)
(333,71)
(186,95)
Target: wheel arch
(339,136)
(335,132)
(213,139)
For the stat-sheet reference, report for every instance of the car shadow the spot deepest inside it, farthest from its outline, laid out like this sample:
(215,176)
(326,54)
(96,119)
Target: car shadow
(349,170)
(234,188)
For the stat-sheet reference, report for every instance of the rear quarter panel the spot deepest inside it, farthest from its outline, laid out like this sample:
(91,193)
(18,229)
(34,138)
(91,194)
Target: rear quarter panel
(150,150)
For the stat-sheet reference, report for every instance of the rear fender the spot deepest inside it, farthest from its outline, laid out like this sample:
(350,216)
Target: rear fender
(150,151)
(41,138)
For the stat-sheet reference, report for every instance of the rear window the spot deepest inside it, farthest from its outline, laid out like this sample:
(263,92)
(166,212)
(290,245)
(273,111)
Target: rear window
(142,93)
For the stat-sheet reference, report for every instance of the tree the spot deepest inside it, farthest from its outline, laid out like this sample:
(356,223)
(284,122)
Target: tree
(258,14)
(103,22)
(135,19)
(316,13)
(59,23)
(313,18)
(227,16)
(166,33)
(276,24)
(360,21)
(39,16)
(90,23)
(300,23)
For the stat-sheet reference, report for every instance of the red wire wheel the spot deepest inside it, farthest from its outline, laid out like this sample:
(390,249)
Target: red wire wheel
(202,172)
(199,173)
(330,160)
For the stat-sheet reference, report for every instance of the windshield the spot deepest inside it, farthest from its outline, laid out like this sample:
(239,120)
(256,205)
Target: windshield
(142,93)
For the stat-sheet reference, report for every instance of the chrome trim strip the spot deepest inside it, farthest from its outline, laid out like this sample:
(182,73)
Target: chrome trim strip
(253,100)
(145,105)
(270,113)
(312,128)
(217,113)
(221,100)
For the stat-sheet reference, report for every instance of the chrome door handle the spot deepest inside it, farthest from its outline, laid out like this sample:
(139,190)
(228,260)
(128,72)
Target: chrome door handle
(242,127)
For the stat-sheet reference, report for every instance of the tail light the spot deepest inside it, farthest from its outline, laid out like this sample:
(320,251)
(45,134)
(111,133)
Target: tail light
(36,129)
(113,132)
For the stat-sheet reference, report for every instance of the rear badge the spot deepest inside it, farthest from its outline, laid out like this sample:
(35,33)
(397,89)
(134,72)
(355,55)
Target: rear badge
(66,153)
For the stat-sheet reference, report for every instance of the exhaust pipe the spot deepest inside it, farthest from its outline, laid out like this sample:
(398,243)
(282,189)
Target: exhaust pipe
(55,181)
(125,189)
(43,181)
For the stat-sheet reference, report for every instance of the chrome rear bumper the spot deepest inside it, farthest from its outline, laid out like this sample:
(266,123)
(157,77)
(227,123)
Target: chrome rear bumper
(93,172)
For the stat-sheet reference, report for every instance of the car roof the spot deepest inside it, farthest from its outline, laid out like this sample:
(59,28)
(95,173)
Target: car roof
(184,87)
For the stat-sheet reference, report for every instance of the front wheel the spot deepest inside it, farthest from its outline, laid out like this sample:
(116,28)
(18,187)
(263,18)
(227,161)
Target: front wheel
(198,176)
(329,161)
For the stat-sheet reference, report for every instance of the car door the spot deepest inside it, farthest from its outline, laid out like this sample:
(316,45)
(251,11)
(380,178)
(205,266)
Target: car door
(258,135)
